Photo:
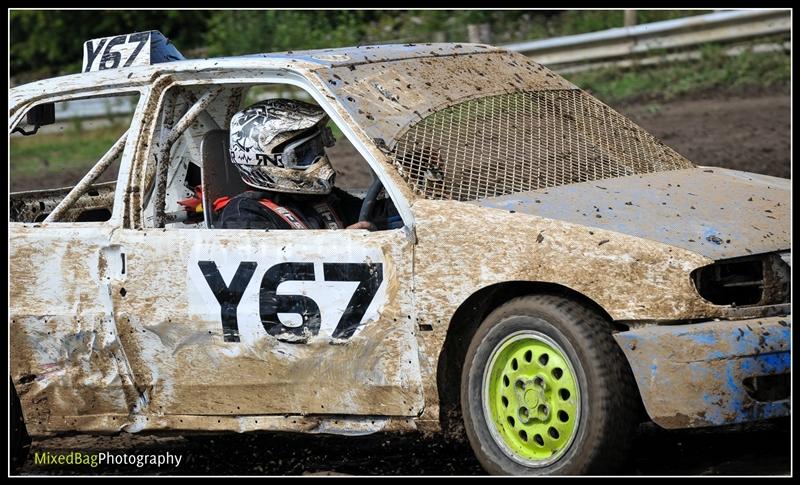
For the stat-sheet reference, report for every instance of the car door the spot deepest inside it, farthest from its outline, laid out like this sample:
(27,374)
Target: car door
(66,361)
(251,322)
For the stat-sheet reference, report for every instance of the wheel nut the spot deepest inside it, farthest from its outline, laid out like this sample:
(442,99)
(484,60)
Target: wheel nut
(544,410)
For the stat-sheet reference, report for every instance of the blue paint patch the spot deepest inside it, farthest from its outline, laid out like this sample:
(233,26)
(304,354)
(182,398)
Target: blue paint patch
(704,338)
(509,204)
(730,378)
(709,231)
(749,366)
(777,363)
(706,380)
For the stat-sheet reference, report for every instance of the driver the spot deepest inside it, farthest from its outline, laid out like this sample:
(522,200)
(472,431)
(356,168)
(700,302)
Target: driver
(278,146)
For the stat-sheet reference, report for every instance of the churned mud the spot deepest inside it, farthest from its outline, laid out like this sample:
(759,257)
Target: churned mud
(755,449)
(750,133)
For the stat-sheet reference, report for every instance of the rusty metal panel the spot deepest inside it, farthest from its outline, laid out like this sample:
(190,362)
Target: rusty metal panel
(511,143)
(715,212)
(33,206)
(384,98)
(697,374)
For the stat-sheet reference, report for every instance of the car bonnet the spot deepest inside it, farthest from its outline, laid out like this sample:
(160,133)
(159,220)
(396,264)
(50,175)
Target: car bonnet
(717,213)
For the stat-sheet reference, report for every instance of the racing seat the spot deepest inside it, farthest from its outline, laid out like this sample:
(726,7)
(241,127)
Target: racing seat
(220,177)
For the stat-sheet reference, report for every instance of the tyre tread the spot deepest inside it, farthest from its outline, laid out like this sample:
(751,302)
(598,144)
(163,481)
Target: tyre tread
(618,407)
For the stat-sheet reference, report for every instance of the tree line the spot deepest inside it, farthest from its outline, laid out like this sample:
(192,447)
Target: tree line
(45,43)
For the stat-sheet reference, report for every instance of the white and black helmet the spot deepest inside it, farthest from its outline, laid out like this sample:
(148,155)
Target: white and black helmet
(279,145)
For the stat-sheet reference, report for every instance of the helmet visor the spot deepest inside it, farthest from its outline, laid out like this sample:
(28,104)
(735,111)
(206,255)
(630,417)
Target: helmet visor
(305,151)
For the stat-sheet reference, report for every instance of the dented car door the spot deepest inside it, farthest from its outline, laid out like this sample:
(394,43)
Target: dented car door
(250,322)
(67,362)
(230,322)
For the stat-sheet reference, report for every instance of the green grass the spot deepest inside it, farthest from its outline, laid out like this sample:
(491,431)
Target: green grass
(663,82)
(45,154)
(573,22)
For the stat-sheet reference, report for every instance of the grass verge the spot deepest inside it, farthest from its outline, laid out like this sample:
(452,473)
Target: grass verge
(714,70)
(44,154)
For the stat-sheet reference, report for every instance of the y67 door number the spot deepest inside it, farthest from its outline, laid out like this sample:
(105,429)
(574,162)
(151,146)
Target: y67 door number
(368,275)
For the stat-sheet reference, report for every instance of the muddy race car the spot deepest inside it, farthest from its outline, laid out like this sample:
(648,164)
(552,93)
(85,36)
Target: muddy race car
(556,276)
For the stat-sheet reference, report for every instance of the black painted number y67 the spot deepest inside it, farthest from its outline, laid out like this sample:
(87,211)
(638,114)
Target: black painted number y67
(368,275)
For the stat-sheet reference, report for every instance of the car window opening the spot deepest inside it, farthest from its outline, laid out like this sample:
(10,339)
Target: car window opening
(294,167)
(79,149)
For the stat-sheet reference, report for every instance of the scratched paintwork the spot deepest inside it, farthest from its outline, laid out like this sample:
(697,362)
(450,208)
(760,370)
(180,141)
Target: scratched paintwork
(692,375)
(262,376)
(65,358)
(96,348)
(624,275)
(169,358)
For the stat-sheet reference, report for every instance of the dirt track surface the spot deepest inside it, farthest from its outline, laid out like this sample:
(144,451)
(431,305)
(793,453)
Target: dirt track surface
(743,133)
(760,449)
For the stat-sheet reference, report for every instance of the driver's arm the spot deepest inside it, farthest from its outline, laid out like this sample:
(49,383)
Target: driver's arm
(363,225)
(349,207)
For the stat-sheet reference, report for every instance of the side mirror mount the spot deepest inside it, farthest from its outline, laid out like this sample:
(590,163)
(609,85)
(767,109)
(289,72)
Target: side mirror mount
(40,115)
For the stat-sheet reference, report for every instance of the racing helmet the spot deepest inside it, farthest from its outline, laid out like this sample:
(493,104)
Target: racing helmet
(279,145)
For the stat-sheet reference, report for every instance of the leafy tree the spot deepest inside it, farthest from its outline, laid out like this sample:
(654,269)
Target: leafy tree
(48,43)
(45,43)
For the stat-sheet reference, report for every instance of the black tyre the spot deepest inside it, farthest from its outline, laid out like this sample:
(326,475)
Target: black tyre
(20,441)
(545,390)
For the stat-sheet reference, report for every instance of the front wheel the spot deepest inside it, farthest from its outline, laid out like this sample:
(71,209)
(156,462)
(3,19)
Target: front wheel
(545,390)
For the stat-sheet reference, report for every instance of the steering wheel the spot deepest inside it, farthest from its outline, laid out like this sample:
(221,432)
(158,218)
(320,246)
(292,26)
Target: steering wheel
(368,206)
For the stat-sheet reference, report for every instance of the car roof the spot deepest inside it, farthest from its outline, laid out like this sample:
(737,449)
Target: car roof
(301,62)
(345,56)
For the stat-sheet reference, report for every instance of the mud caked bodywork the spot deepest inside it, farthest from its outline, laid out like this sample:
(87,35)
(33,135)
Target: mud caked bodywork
(508,180)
